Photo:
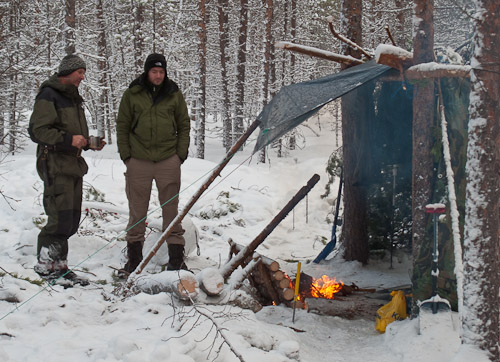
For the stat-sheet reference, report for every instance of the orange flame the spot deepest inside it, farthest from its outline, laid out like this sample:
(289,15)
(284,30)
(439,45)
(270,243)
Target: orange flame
(325,287)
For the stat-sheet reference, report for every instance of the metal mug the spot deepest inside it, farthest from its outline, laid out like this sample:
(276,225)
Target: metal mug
(94,142)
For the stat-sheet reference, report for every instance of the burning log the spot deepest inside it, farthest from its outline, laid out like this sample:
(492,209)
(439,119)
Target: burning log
(323,287)
(285,283)
(356,306)
(181,283)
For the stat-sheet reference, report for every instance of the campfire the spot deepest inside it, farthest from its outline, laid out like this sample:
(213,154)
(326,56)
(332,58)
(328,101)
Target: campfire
(309,287)
(325,287)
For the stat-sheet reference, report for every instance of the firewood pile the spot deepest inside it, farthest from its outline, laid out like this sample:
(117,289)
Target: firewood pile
(324,295)
(271,284)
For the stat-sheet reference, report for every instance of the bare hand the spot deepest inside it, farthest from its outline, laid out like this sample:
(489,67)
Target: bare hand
(79,141)
(101,146)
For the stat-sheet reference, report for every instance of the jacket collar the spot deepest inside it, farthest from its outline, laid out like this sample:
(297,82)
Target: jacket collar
(141,83)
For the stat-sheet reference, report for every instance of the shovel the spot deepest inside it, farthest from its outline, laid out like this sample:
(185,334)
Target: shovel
(435,310)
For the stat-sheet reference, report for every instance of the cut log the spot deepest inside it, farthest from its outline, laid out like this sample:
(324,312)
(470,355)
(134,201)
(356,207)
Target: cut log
(268,284)
(181,283)
(237,280)
(288,294)
(210,281)
(271,264)
(278,275)
(285,283)
(393,56)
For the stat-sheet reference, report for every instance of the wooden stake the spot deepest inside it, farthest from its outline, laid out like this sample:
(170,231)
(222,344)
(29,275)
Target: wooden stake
(296,295)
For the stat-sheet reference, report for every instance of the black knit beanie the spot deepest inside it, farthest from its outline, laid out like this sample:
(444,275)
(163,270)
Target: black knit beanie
(155,60)
(69,64)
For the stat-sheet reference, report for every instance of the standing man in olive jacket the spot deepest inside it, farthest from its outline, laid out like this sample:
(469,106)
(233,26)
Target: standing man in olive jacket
(152,130)
(59,127)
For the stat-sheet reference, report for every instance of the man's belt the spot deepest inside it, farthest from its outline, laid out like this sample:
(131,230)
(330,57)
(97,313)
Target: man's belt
(53,148)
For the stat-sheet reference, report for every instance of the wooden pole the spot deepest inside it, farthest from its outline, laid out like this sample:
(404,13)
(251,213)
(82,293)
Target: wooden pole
(193,200)
(249,249)
(348,41)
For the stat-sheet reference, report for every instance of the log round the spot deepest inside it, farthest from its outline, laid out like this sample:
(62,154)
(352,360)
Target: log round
(210,281)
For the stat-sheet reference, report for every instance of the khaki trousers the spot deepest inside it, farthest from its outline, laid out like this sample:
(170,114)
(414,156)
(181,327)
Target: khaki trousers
(139,180)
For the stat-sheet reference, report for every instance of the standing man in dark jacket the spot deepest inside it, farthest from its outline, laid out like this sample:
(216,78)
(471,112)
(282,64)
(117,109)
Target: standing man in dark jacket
(59,127)
(153,139)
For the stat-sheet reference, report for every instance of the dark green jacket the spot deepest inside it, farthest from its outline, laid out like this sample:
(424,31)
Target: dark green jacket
(152,127)
(57,116)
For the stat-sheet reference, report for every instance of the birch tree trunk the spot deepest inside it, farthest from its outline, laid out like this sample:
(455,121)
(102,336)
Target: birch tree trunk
(482,227)
(13,61)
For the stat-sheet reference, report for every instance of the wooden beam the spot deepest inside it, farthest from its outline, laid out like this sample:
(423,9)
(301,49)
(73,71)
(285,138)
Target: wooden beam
(424,71)
(402,60)
(318,53)
(393,56)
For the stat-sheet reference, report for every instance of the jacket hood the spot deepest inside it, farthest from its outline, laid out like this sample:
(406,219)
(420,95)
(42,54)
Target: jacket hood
(68,90)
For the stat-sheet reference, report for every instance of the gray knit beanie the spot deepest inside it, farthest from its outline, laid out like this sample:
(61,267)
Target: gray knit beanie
(70,63)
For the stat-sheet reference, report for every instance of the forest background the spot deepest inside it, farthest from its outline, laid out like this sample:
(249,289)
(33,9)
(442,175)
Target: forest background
(221,53)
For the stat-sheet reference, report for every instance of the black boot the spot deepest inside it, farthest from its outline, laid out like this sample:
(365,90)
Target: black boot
(176,257)
(134,254)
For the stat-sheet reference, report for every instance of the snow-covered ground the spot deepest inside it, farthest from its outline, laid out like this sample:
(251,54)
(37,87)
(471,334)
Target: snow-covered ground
(40,323)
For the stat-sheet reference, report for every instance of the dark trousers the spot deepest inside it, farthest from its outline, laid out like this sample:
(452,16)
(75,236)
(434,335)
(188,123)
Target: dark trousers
(62,201)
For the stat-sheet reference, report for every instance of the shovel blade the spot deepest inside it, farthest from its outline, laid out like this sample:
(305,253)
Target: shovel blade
(435,312)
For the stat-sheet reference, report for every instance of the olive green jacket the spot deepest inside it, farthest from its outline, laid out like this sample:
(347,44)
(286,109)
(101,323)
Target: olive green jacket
(57,116)
(152,125)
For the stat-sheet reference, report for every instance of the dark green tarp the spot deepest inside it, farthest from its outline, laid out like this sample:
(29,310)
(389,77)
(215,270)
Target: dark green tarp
(297,102)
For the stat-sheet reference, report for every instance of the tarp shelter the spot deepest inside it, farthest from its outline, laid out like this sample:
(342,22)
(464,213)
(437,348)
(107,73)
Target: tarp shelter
(388,142)
(296,103)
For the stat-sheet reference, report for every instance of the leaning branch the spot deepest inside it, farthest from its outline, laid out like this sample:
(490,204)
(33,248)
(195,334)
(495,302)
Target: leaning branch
(346,40)
(244,254)
(318,53)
